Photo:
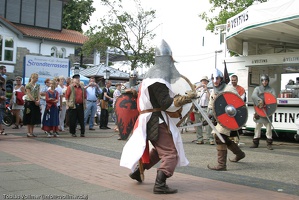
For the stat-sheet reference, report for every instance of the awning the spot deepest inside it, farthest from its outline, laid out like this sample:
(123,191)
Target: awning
(272,26)
(99,71)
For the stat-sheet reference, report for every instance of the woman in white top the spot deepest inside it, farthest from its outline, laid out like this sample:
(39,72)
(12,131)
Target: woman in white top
(43,98)
(17,109)
(116,94)
(62,112)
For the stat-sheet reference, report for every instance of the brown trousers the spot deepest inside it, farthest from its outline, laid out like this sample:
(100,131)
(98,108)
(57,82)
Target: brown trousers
(165,151)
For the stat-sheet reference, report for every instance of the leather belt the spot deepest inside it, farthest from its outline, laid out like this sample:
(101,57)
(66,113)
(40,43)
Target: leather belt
(151,110)
(204,106)
(92,101)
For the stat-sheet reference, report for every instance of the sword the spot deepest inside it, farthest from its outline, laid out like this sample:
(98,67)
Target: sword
(264,110)
(202,112)
(190,126)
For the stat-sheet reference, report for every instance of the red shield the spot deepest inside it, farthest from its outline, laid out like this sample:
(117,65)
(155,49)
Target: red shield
(270,105)
(230,111)
(126,114)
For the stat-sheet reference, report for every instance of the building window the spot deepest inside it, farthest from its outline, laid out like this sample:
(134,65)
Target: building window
(6,49)
(53,51)
(58,53)
(61,53)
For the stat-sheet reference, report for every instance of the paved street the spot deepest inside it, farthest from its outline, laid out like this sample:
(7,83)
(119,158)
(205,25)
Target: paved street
(88,168)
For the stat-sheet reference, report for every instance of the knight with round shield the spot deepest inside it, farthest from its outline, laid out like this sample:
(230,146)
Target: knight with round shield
(230,112)
(265,104)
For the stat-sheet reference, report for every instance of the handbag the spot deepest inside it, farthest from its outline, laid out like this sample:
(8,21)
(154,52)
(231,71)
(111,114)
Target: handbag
(19,98)
(104,104)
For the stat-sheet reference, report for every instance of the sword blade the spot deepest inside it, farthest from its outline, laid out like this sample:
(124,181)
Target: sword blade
(264,110)
(202,112)
(190,126)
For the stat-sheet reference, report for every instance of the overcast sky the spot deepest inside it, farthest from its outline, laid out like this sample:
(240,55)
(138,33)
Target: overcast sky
(183,30)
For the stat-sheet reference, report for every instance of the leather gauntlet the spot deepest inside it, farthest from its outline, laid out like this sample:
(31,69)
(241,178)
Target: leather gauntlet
(256,116)
(181,100)
(260,104)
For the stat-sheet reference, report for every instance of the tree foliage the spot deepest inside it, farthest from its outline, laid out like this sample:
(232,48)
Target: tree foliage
(128,34)
(228,9)
(76,13)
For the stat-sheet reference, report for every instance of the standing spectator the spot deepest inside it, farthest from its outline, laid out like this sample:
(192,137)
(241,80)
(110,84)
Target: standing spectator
(2,103)
(116,94)
(67,123)
(17,110)
(62,87)
(92,93)
(43,97)
(3,71)
(3,74)
(98,113)
(68,81)
(203,101)
(75,96)
(104,106)
(32,115)
(59,90)
(241,91)
(51,121)
(260,121)
(219,87)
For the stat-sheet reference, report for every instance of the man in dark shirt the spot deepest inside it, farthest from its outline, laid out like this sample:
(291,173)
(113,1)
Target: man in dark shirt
(104,106)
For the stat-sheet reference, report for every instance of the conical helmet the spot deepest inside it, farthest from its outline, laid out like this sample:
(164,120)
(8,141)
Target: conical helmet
(217,73)
(265,77)
(163,49)
(164,64)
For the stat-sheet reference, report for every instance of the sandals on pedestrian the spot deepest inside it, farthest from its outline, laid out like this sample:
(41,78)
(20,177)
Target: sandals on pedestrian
(29,135)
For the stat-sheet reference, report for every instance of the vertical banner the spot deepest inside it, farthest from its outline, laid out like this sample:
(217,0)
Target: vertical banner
(225,74)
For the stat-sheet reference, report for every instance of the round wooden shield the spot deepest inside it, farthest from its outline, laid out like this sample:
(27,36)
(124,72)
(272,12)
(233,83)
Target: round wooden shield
(230,110)
(270,105)
(126,114)
(181,86)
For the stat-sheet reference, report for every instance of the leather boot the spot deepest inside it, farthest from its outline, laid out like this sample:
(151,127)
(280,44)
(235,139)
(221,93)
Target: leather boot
(136,175)
(222,156)
(237,151)
(269,144)
(256,142)
(160,185)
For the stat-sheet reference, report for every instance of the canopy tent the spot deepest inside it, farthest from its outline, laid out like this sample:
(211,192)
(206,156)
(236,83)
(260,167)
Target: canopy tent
(100,70)
(272,26)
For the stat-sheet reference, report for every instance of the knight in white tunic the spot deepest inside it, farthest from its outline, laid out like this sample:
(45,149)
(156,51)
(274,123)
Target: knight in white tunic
(155,98)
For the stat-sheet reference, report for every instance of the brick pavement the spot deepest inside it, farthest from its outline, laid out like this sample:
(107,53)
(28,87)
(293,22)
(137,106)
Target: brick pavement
(105,172)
